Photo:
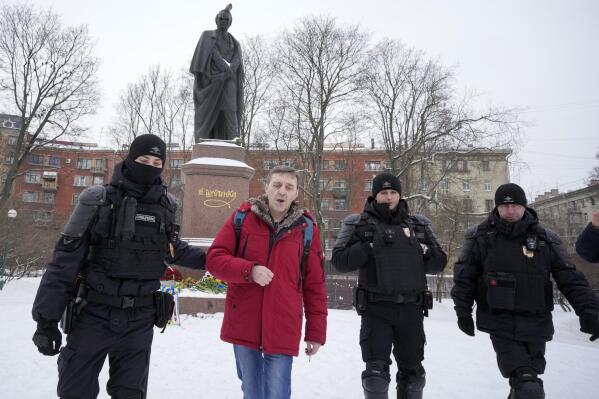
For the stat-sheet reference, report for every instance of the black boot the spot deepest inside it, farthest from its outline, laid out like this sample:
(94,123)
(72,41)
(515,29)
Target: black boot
(410,383)
(526,385)
(375,380)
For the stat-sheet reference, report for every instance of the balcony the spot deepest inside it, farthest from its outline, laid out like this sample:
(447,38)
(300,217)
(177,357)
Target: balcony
(98,170)
(49,185)
(49,181)
(340,192)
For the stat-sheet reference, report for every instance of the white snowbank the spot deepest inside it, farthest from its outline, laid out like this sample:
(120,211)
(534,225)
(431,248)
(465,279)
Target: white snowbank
(191,362)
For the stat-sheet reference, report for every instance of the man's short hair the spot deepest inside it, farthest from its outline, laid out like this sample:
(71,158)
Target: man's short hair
(282,169)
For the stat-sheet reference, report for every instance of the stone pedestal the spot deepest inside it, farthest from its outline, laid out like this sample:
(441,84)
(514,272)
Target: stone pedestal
(216,182)
(194,305)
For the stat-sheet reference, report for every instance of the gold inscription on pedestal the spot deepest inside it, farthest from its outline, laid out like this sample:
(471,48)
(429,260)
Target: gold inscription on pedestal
(214,198)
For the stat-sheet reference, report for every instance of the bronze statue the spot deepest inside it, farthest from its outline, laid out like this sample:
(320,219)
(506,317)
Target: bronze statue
(217,67)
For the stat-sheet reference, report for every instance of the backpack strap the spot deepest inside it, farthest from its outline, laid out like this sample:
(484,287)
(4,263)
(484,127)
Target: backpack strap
(237,223)
(308,234)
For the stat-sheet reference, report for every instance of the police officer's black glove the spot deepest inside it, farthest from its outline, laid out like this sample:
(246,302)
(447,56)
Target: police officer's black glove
(466,324)
(47,338)
(589,324)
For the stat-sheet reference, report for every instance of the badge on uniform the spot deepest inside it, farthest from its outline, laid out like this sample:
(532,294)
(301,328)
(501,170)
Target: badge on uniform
(145,218)
(527,252)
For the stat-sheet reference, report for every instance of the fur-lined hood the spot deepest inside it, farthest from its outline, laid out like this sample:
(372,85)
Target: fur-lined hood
(259,206)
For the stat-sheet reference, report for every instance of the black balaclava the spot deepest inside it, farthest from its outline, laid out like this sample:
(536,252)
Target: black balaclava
(146,144)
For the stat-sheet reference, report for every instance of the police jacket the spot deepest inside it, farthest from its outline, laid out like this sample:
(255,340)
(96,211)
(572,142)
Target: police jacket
(269,318)
(87,245)
(587,244)
(386,249)
(506,268)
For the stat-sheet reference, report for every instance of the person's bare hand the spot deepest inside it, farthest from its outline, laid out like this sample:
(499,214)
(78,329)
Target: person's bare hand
(262,275)
(312,348)
(595,219)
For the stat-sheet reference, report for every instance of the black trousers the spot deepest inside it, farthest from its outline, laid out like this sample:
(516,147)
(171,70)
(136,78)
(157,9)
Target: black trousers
(512,355)
(124,336)
(391,325)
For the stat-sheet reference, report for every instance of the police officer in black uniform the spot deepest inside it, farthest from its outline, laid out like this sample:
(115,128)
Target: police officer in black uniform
(392,251)
(104,276)
(505,266)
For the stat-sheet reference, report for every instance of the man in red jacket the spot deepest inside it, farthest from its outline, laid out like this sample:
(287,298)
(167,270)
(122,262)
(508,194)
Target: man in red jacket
(269,278)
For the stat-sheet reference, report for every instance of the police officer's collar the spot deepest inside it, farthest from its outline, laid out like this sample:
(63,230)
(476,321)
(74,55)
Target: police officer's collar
(382,211)
(514,229)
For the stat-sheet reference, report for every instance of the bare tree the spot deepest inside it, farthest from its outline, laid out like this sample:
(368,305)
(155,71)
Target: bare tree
(594,174)
(47,78)
(258,68)
(416,107)
(318,63)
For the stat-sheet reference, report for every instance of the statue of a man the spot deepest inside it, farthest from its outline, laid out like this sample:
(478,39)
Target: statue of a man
(218,85)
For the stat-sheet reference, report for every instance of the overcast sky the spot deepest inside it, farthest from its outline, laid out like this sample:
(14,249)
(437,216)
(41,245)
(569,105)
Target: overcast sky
(542,55)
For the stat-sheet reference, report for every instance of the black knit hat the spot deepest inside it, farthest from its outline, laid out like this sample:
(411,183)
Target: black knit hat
(147,144)
(385,181)
(510,193)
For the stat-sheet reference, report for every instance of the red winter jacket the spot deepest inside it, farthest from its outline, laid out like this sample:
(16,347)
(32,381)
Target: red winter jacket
(270,318)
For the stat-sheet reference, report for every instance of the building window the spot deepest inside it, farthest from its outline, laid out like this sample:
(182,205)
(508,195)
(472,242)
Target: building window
(486,166)
(468,205)
(367,185)
(340,164)
(456,165)
(340,184)
(98,180)
(340,204)
(489,205)
(324,164)
(99,163)
(466,185)
(33,177)
(487,186)
(12,140)
(29,196)
(444,185)
(54,161)
(268,164)
(324,204)
(372,166)
(48,198)
(322,184)
(388,166)
(84,163)
(81,181)
(175,163)
(75,199)
(36,159)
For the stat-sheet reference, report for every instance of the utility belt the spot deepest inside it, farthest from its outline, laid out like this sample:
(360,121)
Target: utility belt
(362,297)
(163,302)
(121,302)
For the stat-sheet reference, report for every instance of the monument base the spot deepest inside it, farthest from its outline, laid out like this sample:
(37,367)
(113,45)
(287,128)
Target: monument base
(195,305)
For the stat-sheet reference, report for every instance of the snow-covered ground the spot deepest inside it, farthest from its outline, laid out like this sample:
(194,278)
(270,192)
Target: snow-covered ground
(191,362)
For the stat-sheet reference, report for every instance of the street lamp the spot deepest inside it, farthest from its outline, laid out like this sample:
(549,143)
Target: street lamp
(3,277)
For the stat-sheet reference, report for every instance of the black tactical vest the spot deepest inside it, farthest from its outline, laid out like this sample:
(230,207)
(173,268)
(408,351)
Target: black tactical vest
(515,277)
(398,260)
(131,243)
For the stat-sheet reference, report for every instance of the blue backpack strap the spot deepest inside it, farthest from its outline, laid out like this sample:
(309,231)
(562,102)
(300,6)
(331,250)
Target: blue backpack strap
(237,223)
(308,234)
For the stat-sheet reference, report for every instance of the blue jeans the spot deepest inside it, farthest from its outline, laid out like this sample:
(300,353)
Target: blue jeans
(263,376)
